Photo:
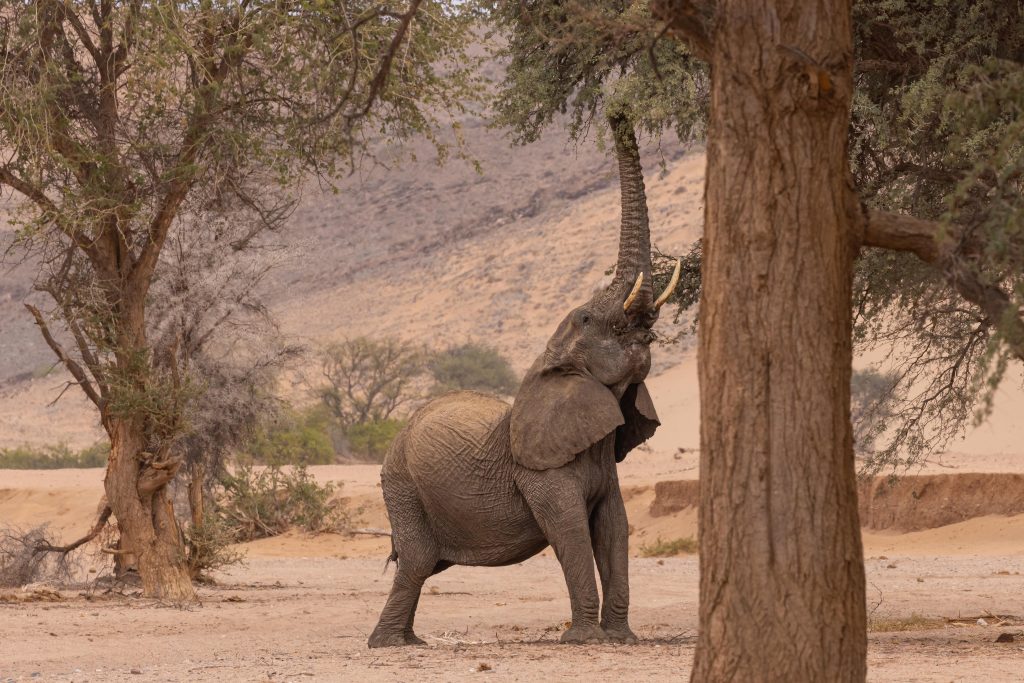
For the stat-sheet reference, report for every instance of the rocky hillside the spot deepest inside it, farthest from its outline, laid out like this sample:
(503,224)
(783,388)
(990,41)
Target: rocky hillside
(434,253)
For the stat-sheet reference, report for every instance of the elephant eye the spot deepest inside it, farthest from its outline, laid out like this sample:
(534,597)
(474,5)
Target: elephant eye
(585,318)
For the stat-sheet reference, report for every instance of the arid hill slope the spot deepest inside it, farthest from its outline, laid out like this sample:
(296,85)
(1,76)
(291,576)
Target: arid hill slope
(437,254)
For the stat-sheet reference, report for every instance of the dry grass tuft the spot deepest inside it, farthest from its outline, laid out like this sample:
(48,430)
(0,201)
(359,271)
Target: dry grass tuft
(670,548)
(915,622)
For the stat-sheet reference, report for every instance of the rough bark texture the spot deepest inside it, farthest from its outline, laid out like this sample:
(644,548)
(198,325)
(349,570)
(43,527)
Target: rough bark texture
(145,517)
(782,574)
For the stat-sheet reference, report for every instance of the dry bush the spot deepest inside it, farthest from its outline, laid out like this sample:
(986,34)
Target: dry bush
(24,560)
(915,622)
(210,546)
(368,380)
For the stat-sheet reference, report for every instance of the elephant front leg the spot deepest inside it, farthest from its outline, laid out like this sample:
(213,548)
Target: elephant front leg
(610,534)
(562,515)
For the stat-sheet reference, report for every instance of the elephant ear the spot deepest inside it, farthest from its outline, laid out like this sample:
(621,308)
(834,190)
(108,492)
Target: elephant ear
(556,416)
(640,420)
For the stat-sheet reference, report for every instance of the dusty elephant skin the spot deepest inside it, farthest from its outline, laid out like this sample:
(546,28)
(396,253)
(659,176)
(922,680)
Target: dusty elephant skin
(473,481)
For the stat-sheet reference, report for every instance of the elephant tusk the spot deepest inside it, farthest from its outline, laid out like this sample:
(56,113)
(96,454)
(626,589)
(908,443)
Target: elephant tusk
(632,295)
(671,286)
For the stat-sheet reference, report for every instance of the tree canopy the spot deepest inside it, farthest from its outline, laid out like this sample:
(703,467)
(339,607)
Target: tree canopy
(936,134)
(121,122)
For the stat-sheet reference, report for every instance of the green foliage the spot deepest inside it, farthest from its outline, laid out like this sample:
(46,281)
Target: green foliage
(267,501)
(371,440)
(671,548)
(472,366)
(126,123)
(296,438)
(53,457)
(687,293)
(938,133)
(591,60)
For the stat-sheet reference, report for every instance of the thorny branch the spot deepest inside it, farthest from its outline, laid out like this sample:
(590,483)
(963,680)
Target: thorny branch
(101,521)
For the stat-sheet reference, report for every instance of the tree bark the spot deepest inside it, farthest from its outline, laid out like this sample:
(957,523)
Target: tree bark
(782,593)
(196,497)
(149,530)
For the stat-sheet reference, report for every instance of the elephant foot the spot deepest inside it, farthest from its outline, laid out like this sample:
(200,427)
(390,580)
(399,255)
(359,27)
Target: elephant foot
(620,634)
(394,639)
(584,634)
(412,639)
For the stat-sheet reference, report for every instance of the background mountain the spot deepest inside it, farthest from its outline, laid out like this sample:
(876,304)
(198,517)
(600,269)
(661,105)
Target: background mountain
(434,253)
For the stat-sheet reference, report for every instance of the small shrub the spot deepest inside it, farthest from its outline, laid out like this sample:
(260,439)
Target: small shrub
(259,503)
(299,438)
(473,366)
(53,457)
(209,546)
(371,440)
(660,548)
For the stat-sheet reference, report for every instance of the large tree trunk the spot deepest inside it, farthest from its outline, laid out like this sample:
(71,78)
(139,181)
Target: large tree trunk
(145,517)
(782,574)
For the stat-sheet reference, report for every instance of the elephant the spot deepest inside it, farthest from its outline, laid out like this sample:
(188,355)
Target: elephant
(471,480)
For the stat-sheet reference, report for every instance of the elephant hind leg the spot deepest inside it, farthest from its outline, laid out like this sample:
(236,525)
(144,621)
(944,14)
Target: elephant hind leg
(418,558)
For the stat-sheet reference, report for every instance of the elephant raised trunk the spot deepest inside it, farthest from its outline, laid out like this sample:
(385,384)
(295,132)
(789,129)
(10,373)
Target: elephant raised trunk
(634,258)
(633,271)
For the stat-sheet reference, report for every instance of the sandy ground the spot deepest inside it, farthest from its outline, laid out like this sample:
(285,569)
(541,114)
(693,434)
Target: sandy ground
(301,607)
(306,618)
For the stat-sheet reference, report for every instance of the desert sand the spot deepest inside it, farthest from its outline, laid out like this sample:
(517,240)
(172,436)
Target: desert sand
(302,606)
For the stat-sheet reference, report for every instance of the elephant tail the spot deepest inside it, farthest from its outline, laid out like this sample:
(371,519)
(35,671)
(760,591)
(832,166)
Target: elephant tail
(393,557)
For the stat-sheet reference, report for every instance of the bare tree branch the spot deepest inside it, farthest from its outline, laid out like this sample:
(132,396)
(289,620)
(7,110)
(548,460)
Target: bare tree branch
(74,368)
(81,31)
(101,522)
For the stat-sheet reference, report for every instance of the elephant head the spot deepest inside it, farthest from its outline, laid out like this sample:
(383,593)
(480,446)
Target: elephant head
(589,382)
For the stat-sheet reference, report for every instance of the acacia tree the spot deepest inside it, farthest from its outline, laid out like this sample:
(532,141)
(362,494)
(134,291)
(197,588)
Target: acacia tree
(206,318)
(782,577)
(367,380)
(113,116)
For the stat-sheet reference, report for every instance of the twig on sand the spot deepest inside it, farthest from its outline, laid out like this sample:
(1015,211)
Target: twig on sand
(371,531)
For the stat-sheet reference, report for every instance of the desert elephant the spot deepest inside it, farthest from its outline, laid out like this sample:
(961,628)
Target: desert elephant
(473,481)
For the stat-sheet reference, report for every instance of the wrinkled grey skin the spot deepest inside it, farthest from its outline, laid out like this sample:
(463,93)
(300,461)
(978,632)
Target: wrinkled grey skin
(473,481)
